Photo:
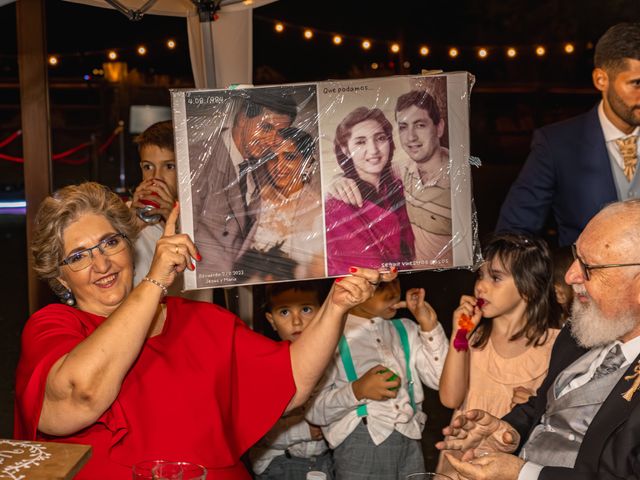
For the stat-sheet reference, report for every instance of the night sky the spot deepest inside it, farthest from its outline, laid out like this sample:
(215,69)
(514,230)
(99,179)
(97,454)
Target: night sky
(81,35)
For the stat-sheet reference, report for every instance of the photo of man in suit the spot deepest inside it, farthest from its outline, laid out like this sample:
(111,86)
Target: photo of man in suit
(225,187)
(581,164)
(584,421)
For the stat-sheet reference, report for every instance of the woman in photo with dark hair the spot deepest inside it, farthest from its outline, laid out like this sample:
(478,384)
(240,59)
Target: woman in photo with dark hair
(378,233)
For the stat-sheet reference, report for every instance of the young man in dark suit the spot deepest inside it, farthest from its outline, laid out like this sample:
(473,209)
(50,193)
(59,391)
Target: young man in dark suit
(576,166)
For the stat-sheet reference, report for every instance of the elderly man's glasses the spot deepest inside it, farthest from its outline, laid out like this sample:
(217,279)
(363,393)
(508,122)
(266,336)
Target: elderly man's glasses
(586,268)
(109,246)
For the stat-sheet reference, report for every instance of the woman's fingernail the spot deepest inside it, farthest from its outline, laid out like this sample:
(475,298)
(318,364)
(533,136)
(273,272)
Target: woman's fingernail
(339,279)
(198,257)
(394,269)
(353,269)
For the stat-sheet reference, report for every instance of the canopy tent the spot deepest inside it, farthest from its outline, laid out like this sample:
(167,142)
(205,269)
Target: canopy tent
(221,51)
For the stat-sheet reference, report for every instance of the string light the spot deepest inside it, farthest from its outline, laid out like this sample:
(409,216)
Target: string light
(142,50)
(374,66)
(171,44)
(511,52)
(337,39)
(112,55)
(279,27)
(308,34)
(540,51)
(569,48)
(424,50)
(395,48)
(53,60)
(406,64)
(453,52)
(366,44)
(482,53)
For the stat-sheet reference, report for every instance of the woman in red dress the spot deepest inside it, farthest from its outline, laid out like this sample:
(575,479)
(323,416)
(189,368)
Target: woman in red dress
(139,376)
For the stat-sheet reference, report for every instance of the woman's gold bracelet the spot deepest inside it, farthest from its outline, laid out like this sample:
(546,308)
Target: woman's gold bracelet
(165,292)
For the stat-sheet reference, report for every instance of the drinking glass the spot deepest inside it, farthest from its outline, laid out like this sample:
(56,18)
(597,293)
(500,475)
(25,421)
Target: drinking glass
(427,476)
(165,470)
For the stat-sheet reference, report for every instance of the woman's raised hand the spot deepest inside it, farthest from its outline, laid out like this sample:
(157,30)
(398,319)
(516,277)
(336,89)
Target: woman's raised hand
(174,252)
(359,286)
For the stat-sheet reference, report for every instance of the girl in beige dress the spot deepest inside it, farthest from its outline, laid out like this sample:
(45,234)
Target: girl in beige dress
(503,334)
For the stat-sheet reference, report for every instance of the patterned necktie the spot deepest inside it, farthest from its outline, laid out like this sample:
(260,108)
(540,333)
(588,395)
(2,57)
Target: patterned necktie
(629,149)
(611,362)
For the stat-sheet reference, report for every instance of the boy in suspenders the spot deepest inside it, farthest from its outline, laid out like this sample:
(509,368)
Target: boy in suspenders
(370,402)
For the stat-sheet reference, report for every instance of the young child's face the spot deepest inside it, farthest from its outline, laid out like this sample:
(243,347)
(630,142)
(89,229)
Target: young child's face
(291,313)
(495,285)
(382,303)
(159,163)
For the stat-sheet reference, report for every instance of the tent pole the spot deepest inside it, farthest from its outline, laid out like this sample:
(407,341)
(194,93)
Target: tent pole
(36,136)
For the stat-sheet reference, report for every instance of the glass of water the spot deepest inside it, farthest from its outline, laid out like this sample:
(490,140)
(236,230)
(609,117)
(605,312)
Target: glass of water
(165,470)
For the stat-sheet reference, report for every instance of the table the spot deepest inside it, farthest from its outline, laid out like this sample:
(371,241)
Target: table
(25,460)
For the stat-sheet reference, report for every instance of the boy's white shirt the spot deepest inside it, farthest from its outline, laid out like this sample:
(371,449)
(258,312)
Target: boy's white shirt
(290,432)
(372,342)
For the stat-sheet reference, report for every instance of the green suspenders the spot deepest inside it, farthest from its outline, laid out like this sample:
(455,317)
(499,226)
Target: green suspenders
(347,361)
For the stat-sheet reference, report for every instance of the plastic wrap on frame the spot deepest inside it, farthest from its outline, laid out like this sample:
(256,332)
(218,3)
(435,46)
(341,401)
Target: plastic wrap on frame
(303,181)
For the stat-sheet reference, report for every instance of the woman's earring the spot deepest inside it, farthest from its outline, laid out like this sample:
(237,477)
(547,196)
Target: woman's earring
(67,297)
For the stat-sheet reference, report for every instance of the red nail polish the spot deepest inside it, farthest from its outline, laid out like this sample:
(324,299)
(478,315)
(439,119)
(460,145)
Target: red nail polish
(394,269)
(193,267)
(339,279)
(198,257)
(353,269)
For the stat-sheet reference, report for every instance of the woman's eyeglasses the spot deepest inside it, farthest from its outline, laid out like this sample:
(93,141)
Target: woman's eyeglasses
(586,268)
(109,246)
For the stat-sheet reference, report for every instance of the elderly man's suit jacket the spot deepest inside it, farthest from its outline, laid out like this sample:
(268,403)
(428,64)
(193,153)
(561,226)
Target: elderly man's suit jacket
(611,446)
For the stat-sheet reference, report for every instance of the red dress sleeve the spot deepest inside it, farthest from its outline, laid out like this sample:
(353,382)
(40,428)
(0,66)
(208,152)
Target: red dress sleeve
(49,334)
(263,385)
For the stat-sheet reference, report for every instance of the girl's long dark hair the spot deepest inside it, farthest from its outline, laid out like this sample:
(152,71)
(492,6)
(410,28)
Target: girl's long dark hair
(528,260)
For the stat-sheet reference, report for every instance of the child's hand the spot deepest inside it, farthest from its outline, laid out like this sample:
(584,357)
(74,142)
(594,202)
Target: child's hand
(156,190)
(469,308)
(376,386)
(521,395)
(421,310)
(315,431)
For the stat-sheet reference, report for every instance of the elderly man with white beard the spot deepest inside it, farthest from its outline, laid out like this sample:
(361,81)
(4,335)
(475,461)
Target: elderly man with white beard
(584,422)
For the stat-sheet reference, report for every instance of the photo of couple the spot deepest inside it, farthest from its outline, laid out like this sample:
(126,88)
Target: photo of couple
(254,185)
(385,206)
(303,181)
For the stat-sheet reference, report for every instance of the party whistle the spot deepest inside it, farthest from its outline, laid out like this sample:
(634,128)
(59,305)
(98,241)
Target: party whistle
(465,325)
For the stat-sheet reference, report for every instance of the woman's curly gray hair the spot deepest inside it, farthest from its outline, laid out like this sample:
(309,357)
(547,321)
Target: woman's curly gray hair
(64,207)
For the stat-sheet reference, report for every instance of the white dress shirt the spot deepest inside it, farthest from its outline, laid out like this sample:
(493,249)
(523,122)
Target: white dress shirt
(611,134)
(372,342)
(289,433)
(630,350)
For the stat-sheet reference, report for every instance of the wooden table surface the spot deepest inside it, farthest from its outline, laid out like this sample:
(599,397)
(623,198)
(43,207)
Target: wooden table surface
(23,460)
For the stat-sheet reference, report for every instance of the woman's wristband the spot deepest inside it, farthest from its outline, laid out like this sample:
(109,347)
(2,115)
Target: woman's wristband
(165,292)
